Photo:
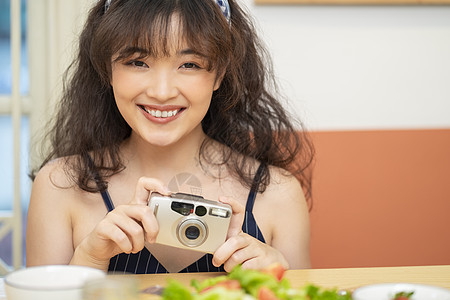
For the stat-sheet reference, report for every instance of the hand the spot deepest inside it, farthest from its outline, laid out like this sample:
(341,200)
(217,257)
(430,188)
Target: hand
(241,248)
(249,252)
(124,229)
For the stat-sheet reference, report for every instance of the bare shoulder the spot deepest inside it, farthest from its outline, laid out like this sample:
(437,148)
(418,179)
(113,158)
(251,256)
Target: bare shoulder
(55,173)
(283,187)
(52,187)
(282,204)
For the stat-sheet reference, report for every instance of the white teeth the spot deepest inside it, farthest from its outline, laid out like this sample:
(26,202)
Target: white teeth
(162,114)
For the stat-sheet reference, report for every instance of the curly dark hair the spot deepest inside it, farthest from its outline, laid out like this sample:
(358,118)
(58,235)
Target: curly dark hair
(245,113)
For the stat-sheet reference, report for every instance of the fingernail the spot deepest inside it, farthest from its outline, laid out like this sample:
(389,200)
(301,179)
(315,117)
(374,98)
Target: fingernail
(216,264)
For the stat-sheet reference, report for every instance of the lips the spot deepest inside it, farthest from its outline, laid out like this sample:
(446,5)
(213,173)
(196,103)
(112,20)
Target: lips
(161,113)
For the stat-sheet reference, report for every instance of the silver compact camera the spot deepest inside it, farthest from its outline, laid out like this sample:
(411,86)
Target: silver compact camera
(190,221)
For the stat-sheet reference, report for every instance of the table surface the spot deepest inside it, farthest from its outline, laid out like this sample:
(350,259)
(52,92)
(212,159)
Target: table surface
(345,278)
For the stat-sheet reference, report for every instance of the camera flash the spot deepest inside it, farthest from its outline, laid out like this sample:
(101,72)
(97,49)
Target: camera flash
(219,212)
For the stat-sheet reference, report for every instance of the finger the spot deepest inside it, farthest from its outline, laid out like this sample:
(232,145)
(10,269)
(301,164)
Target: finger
(108,231)
(131,227)
(145,186)
(240,257)
(145,218)
(150,224)
(237,218)
(226,250)
(254,263)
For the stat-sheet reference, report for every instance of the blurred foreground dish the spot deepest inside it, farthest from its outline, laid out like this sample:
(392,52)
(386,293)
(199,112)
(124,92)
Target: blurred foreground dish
(266,284)
(55,282)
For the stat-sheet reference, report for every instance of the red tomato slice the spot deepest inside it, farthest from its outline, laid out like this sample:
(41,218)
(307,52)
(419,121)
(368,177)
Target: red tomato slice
(265,293)
(276,269)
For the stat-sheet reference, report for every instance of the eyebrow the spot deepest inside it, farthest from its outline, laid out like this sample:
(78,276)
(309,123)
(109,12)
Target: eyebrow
(144,52)
(135,50)
(127,52)
(189,51)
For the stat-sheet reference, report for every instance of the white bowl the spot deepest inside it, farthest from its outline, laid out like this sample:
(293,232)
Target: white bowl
(56,282)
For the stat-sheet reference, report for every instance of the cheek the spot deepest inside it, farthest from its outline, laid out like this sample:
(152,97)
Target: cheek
(124,85)
(201,88)
(123,93)
(117,81)
(200,98)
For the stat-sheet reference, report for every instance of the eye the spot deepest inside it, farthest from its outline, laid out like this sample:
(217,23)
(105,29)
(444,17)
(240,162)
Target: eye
(190,65)
(137,63)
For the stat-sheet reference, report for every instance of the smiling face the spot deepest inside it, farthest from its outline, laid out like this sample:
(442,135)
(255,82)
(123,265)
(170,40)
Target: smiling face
(165,97)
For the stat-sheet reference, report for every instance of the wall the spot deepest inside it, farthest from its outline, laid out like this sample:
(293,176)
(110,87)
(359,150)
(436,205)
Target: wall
(373,83)
(381,198)
(362,67)
(53,27)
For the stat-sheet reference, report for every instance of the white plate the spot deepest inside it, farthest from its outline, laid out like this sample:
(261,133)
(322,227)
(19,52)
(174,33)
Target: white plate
(386,291)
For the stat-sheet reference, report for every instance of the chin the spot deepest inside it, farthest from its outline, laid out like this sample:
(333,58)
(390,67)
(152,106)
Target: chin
(160,141)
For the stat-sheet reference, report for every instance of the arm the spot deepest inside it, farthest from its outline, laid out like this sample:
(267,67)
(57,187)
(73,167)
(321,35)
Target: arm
(123,230)
(291,228)
(283,211)
(49,229)
(50,224)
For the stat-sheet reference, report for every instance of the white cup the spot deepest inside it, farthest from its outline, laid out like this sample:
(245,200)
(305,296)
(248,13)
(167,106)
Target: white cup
(55,282)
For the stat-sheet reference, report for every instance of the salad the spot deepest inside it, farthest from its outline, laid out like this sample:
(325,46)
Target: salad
(267,284)
(403,296)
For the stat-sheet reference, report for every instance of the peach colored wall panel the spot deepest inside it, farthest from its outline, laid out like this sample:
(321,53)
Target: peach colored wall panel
(381,198)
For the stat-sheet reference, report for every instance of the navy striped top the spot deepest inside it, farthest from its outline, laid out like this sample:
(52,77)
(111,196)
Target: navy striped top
(144,262)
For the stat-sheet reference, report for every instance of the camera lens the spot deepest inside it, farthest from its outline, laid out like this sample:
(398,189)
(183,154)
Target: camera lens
(200,211)
(192,232)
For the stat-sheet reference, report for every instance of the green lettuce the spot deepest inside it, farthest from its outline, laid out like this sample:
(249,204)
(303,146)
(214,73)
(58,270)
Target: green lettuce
(251,281)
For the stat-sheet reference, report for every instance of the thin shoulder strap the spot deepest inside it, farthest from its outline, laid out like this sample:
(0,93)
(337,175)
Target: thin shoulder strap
(254,189)
(105,195)
(107,199)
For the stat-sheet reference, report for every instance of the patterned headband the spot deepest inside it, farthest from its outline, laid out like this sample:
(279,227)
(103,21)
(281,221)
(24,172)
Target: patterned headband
(223,5)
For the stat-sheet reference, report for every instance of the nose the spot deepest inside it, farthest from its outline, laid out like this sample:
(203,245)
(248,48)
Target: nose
(162,85)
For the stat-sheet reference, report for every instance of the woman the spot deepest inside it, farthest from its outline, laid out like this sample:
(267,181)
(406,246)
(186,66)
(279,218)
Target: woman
(169,96)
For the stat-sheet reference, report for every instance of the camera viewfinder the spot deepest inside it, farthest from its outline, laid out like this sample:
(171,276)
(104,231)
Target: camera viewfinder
(184,209)
(218,212)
